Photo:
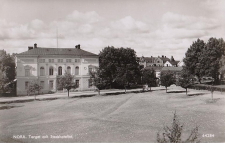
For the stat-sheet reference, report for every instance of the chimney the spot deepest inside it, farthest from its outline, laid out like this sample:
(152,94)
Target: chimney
(172,59)
(165,56)
(162,56)
(35,45)
(30,48)
(77,46)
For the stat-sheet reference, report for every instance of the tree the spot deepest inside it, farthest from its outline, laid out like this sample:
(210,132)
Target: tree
(167,78)
(66,81)
(173,134)
(222,67)
(119,66)
(33,87)
(7,69)
(98,82)
(185,79)
(211,57)
(108,61)
(204,59)
(193,58)
(149,77)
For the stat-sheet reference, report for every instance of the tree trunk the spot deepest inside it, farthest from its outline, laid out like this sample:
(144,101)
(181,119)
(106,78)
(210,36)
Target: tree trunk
(98,92)
(166,89)
(186,91)
(150,88)
(125,89)
(68,93)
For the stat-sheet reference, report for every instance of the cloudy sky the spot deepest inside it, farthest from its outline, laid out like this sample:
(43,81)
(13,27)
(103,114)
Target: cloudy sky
(150,27)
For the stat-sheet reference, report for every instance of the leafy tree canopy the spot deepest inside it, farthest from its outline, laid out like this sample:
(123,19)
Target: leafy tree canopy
(95,77)
(203,59)
(66,81)
(119,66)
(193,56)
(7,69)
(167,78)
(185,79)
(211,57)
(149,77)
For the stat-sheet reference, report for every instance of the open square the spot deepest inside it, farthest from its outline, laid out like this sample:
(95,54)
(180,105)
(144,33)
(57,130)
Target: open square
(133,117)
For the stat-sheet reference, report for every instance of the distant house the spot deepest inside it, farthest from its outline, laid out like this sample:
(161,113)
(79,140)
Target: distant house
(162,61)
(159,64)
(151,61)
(45,64)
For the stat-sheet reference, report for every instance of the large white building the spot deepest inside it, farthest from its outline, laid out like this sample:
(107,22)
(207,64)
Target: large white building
(43,65)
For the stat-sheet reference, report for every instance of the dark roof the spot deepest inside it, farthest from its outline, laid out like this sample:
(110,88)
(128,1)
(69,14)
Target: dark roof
(174,62)
(164,59)
(148,59)
(57,51)
(154,68)
(172,68)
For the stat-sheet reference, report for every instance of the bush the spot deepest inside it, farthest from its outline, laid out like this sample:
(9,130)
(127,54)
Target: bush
(207,87)
(173,134)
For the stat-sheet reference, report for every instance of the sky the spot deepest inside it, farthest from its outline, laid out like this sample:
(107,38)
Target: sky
(150,27)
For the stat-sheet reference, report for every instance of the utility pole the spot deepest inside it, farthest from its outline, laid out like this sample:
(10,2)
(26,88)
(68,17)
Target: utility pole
(57,36)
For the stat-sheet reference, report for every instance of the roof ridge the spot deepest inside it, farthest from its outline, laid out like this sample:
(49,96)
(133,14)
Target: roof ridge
(57,51)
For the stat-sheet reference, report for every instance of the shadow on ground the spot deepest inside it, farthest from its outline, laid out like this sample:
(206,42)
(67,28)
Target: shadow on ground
(196,94)
(176,91)
(8,107)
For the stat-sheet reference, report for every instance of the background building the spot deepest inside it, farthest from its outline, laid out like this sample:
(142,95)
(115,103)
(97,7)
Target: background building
(162,61)
(43,65)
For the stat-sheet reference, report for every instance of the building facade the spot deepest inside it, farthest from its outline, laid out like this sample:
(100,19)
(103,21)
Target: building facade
(162,61)
(44,65)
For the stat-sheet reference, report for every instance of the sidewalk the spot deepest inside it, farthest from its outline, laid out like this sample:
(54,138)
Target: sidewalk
(4,100)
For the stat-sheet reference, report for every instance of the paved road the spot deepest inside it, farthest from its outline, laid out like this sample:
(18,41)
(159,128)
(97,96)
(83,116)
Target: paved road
(120,118)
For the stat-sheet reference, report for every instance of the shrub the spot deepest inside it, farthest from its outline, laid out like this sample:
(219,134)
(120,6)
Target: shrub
(173,134)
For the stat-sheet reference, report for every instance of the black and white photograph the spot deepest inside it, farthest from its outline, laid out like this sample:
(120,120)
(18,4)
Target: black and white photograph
(112,71)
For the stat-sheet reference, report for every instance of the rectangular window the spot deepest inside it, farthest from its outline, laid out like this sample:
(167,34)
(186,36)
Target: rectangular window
(89,83)
(27,72)
(51,84)
(42,84)
(51,60)
(68,60)
(77,60)
(60,60)
(42,60)
(77,83)
(26,85)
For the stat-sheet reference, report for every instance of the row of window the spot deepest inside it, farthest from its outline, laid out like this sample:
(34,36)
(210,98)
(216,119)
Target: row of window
(59,60)
(51,71)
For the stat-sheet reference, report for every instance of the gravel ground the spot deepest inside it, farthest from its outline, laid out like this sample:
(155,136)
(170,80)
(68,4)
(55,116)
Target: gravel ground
(115,118)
